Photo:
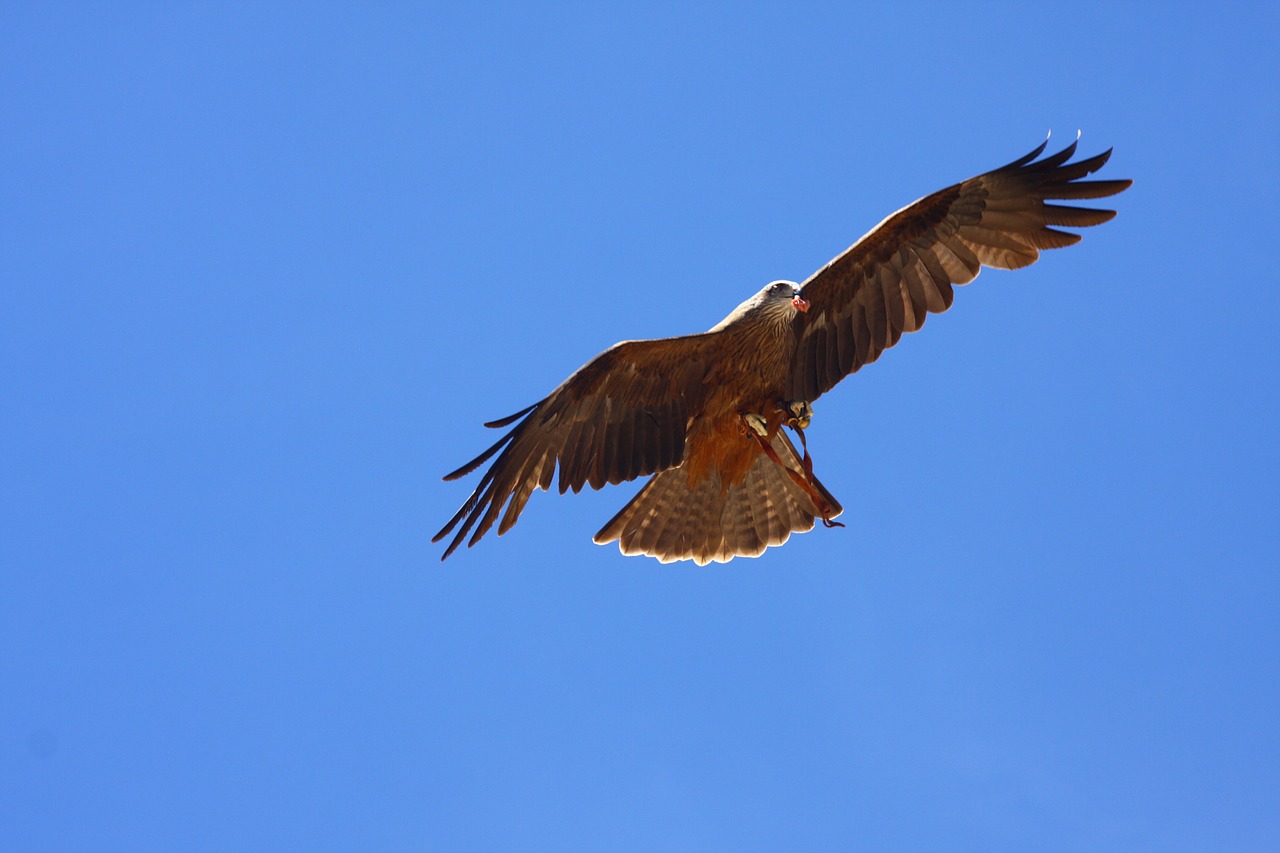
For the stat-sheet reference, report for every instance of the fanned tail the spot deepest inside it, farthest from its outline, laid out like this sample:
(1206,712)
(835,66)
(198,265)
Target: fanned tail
(671,521)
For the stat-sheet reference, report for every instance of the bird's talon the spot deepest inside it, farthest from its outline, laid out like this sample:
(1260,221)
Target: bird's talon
(801,413)
(757,424)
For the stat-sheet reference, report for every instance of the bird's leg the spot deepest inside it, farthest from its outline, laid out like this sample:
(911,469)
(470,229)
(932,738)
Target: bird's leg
(807,461)
(800,415)
(824,508)
(795,415)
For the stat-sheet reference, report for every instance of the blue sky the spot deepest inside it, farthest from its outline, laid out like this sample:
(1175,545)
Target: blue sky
(267,267)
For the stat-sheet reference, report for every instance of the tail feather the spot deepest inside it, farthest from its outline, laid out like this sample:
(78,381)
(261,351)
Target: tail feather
(671,521)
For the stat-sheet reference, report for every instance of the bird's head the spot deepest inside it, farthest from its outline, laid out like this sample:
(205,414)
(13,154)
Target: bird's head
(777,304)
(785,291)
(780,300)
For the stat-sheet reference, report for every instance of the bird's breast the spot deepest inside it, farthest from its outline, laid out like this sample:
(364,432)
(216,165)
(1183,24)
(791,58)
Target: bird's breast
(749,379)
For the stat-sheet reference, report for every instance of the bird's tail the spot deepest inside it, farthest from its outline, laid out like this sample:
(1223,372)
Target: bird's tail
(671,521)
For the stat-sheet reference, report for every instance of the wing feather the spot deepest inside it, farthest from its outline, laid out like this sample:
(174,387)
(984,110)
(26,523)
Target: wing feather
(622,415)
(573,441)
(903,269)
(625,466)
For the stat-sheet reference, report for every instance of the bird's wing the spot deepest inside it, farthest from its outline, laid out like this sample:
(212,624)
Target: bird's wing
(622,415)
(903,269)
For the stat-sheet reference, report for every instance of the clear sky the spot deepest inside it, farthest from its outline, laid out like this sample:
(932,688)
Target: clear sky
(267,267)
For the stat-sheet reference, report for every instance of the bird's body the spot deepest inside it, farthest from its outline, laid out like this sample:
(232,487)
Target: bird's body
(747,353)
(705,413)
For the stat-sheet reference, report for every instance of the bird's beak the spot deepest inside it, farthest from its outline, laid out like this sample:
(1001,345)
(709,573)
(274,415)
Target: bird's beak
(800,303)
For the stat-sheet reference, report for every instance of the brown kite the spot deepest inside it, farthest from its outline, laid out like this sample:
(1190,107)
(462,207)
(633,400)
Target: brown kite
(704,413)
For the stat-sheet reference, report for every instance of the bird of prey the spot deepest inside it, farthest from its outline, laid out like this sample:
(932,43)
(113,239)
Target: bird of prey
(704,414)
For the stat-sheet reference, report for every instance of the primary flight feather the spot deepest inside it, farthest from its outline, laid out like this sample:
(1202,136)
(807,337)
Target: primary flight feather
(705,413)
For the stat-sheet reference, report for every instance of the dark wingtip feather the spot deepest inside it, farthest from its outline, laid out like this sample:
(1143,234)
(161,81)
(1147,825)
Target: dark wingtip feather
(453,546)
(1088,189)
(1077,170)
(510,419)
(466,507)
(479,460)
(1027,158)
(1097,161)
(1055,160)
(481,498)
(1076,217)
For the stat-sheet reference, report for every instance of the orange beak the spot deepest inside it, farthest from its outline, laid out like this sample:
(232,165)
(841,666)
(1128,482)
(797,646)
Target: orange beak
(800,303)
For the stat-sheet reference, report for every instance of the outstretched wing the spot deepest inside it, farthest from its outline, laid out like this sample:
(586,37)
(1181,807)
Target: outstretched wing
(622,415)
(903,269)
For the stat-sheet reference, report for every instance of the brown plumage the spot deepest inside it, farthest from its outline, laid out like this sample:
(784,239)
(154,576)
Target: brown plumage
(675,407)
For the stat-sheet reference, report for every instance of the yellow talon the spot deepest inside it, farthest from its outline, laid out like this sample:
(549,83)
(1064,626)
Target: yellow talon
(757,424)
(801,414)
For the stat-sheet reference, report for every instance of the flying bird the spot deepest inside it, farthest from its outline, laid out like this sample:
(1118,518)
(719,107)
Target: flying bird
(705,413)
